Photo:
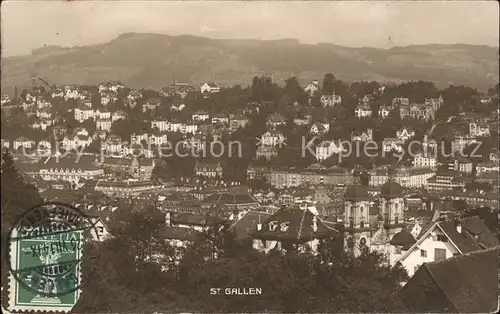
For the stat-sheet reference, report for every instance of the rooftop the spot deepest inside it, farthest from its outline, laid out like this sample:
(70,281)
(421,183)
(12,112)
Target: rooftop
(248,223)
(295,224)
(469,281)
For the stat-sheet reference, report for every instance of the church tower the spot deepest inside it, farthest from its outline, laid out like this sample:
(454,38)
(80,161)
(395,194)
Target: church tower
(392,203)
(356,218)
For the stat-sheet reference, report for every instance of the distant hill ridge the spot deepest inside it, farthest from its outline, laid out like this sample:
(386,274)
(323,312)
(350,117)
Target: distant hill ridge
(152,60)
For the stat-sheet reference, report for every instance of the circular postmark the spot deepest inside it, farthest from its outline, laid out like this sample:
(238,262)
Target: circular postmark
(46,251)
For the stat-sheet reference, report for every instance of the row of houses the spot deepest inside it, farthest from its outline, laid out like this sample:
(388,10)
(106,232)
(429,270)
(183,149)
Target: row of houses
(425,111)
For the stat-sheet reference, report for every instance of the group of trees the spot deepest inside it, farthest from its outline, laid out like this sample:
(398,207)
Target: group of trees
(17,197)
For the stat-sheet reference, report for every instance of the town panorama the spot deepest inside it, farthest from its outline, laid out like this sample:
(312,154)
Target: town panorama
(279,193)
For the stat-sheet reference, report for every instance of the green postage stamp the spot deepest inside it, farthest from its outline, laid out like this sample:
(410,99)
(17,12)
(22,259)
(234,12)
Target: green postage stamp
(46,249)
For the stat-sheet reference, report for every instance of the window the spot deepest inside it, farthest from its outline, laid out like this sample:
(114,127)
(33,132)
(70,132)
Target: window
(442,238)
(362,224)
(439,254)
(423,253)
(361,209)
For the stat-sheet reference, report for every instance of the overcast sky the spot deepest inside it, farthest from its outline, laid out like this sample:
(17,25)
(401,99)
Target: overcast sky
(27,25)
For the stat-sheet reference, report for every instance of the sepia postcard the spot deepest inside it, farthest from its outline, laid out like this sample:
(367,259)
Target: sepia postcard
(250,156)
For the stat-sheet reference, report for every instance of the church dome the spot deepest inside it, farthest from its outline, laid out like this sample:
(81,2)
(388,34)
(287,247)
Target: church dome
(356,193)
(391,189)
(404,239)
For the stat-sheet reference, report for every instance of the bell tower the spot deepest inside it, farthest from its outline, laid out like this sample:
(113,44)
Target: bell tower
(356,218)
(392,202)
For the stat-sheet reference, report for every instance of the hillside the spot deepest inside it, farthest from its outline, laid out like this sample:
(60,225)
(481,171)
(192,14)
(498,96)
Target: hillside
(151,60)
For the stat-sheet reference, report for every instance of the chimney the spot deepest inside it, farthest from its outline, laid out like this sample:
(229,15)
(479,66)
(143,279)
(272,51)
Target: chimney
(315,224)
(459,226)
(168,219)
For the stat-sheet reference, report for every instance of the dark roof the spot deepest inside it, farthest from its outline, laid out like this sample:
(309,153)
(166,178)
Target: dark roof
(391,189)
(466,241)
(193,219)
(230,198)
(300,226)
(356,193)
(404,239)
(248,223)
(178,233)
(475,226)
(470,281)
(69,162)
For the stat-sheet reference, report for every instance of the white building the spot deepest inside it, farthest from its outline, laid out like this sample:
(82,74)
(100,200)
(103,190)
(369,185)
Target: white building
(403,101)
(210,87)
(220,118)
(330,100)
(161,125)
(113,86)
(391,144)
(446,239)
(42,124)
(479,129)
(4,100)
(423,160)
(405,134)
(320,128)
(57,93)
(363,111)
(326,149)
(312,88)
(71,92)
(138,138)
(104,124)
(23,142)
(200,116)
(83,113)
(72,169)
(159,139)
(489,166)
(118,115)
(73,142)
(362,136)
(272,138)
(114,145)
(383,111)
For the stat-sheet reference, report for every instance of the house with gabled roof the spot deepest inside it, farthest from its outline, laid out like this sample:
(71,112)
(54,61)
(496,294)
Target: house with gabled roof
(151,104)
(100,230)
(200,115)
(445,239)
(330,100)
(275,120)
(295,225)
(210,87)
(320,128)
(220,118)
(363,111)
(23,142)
(462,284)
(405,134)
(208,169)
(244,226)
(384,111)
